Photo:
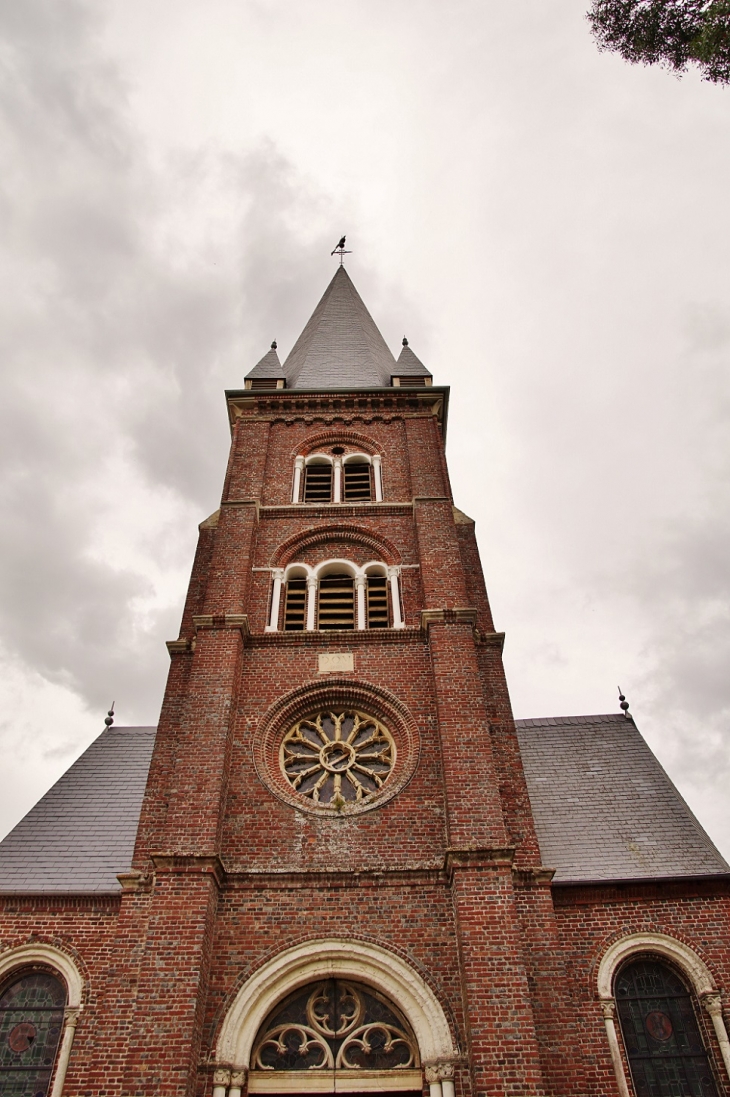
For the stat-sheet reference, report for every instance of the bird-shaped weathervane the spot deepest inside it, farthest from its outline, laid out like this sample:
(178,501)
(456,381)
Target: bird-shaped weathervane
(340,249)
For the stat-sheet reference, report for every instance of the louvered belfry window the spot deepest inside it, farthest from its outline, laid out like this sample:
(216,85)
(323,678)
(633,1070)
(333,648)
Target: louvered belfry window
(318,483)
(336,603)
(357,482)
(377,601)
(663,1041)
(31,1019)
(295,605)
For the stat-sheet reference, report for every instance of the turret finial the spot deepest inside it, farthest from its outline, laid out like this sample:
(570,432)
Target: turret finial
(623,704)
(405,341)
(109,718)
(274,345)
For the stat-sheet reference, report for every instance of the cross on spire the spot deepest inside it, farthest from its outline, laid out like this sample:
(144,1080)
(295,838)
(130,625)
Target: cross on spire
(341,250)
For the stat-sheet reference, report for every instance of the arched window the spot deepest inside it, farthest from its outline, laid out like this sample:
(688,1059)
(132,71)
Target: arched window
(337,477)
(661,1032)
(31,1020)
(318,480)
(336,594)
(333,1026)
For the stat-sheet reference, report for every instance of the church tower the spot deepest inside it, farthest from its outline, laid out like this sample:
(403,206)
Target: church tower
(351,871)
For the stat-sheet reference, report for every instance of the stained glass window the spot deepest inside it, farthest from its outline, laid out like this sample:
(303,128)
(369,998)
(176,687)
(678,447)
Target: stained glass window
(335,1025)
(31,1019)
(661,1034)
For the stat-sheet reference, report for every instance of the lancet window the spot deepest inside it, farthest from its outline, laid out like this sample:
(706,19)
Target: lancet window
(31,1021)
(662,1036)
(337,594)
(337,477)
(332,1026)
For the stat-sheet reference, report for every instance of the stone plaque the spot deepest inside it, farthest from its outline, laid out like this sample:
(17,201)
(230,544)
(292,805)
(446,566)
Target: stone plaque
(336,661)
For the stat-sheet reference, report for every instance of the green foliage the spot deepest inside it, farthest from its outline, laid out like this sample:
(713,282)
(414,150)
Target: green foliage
(674,33)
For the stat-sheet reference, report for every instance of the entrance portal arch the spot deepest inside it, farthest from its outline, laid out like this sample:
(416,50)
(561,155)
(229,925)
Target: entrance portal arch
(333,958)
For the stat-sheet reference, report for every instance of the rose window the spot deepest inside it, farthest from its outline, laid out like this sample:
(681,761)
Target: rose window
(335,1025)
(337,757)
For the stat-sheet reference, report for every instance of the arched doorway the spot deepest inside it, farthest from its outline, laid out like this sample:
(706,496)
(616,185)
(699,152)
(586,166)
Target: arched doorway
(662,1036)
(330,1016)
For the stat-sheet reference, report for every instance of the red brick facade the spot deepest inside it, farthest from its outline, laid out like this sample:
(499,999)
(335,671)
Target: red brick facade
(444,875)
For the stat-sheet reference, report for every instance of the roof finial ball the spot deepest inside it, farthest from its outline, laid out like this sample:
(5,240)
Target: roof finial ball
(109,718)
(274,345)
(405,341)
(623,704)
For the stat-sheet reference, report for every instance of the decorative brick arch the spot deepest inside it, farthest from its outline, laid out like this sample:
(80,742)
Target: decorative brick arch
(379,546)
(334,437)
(323,958)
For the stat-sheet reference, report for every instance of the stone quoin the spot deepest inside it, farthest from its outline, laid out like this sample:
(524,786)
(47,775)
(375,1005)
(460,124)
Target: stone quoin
(338,864)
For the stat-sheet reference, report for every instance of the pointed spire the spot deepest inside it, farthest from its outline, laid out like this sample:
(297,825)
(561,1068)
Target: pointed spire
(268,366)
(408,365)
(340,346)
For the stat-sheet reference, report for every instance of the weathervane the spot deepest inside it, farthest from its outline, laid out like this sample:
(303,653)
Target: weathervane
(340,250)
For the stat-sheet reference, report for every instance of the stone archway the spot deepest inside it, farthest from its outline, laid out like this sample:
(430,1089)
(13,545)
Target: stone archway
(335,958)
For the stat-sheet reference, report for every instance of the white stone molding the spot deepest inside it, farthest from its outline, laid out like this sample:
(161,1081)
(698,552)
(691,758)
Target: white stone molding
(377,478)
(37,953)
(311,601)
(360,586)
(393,576)
(278,575)
(327,958)
(337,481)
(685,958)
(688,962)
(297,485)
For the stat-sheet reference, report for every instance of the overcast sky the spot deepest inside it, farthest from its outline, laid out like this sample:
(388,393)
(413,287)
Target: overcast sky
(547,225)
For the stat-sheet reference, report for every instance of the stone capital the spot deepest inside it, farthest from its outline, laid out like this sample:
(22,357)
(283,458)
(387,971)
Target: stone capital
(608,1008)
(713,1004)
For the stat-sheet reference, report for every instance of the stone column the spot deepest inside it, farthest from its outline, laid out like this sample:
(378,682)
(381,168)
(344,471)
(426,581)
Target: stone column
(311,601)
(337,484)
(713,1004)
(608,1006)
(70,1019)
(273,624)
(360,582)
(297,486)
(398,621)
(378,478)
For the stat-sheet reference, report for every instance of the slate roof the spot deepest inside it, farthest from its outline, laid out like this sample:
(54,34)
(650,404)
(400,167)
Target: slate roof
(410,366)
(82,832)
(268,366)
(340,346)
(604,808)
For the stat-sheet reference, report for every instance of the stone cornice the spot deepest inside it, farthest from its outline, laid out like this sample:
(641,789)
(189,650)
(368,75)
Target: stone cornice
(488,857)
(179,863)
